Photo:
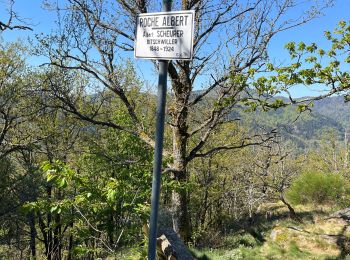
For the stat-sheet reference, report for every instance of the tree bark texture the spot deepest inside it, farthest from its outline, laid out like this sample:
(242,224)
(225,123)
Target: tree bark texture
(292,212)
(179,112)
(33,234)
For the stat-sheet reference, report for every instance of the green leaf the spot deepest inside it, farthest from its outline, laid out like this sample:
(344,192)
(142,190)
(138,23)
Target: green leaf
(51,175)
(28,207)
(62,183)
(347,98)
(321,52)
(311,48)
(290,46)
(302,108)
(270,66)
(45,166)
(54,208)
(342,24)
(347,60)
(79,198)
(301,46)
(111,195)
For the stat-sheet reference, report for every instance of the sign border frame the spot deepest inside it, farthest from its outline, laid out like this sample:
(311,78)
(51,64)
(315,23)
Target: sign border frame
(165,13)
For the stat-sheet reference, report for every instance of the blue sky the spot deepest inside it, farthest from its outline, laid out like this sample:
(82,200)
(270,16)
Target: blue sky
(43,21)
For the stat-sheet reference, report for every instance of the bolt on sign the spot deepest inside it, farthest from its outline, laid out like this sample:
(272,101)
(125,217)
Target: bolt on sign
(165,35)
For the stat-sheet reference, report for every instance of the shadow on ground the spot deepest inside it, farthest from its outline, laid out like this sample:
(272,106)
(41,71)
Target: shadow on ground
(262,224)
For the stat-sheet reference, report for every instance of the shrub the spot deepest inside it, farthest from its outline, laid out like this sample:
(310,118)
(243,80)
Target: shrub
(319,188)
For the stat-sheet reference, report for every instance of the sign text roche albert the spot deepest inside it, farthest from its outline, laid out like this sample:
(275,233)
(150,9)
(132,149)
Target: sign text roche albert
(166,35)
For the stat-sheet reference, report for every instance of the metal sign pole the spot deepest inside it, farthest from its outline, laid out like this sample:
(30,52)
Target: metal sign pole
(157,165)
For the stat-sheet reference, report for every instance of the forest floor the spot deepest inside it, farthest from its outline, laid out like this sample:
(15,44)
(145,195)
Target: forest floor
(319,235)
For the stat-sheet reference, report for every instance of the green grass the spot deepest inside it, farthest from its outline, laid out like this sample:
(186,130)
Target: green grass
(273,251)
(278,239)
(290,240)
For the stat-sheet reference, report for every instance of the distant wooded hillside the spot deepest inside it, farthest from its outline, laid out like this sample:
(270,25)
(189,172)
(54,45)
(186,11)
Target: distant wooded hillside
(307,128)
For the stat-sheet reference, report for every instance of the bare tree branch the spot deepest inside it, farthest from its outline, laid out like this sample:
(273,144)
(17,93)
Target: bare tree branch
(13,17)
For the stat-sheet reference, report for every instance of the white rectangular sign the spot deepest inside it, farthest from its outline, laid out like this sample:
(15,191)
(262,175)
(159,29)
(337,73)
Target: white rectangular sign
(165,36)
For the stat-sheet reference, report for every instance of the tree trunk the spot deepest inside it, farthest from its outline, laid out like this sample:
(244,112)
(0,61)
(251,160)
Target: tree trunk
(180,216)
(33,233)
(44,233)
(49,232)
(70,248)
(57,237)
(292,212)
(71,241)
(181,220)
(203,212)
